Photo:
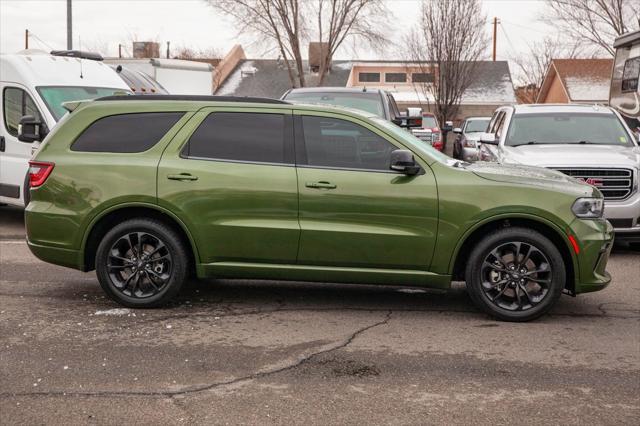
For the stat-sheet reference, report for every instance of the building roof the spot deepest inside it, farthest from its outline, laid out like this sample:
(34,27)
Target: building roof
(269,78)
(584,80)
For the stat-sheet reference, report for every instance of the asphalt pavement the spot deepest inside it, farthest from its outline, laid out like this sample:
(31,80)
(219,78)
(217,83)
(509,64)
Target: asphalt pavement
(251,352)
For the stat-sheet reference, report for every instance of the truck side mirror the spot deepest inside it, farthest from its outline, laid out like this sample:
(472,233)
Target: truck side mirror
(408,122)
(31,129)
(448,126)
(489,138)
(457,130)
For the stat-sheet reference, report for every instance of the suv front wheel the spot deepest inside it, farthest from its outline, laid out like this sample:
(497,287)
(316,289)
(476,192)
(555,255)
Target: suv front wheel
(142,263)
(515,274)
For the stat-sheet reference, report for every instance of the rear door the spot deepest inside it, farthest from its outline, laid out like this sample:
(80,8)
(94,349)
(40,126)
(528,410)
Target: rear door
(355,211)
(14,155)
(229,175)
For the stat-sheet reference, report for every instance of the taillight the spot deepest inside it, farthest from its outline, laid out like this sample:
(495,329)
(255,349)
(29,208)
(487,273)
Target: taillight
(39,171)
(437,145)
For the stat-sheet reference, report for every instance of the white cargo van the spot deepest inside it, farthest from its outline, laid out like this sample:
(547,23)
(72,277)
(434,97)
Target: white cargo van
(33,86)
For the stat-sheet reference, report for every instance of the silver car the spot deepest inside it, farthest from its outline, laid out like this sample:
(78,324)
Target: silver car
(466,145)
(590,143)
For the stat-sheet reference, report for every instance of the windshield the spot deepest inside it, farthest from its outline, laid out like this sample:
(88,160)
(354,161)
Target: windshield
(415,143)
(366,101)
(476,125)
(567,128)
(54,96)
(429,122)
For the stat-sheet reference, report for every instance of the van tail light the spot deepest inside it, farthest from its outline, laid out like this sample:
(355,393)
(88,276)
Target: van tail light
(437,145)
(39,171)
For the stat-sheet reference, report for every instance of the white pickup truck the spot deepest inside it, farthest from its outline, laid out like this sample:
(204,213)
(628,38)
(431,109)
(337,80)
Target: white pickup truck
(590,143)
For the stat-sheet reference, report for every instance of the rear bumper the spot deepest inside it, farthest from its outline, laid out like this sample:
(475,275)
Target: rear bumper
(56,255)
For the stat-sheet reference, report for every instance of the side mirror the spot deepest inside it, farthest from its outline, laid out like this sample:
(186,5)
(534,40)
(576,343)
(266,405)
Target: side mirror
(457,130)
(402,161)
(407,122)
(31,129)
(448,126)
(489,138)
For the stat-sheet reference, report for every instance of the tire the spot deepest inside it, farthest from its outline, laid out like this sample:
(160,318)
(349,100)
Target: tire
(525,292)
(135,281)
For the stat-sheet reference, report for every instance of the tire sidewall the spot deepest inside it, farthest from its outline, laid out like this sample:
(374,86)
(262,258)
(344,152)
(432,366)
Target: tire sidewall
(174,247)
(482,249)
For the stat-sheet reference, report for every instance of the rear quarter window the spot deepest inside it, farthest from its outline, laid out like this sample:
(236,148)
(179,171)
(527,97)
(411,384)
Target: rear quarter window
(127,133)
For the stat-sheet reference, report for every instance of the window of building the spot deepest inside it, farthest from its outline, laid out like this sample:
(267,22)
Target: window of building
(369,77)
(395,77)
(422,77)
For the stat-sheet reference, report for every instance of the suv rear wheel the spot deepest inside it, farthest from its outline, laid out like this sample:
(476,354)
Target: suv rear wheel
(142,263)
(515,274)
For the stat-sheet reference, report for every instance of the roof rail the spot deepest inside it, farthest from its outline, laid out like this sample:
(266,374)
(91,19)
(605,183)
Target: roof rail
(201,98)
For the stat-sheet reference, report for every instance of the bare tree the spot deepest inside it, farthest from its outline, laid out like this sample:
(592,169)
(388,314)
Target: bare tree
(341,19)
(277,21)
(448,41)
(184,52)
(532,67)
(594,22)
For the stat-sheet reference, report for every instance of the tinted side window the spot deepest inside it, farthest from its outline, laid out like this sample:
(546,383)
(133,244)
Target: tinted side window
(126,132)
(236,136)
(16,103)
(331,142)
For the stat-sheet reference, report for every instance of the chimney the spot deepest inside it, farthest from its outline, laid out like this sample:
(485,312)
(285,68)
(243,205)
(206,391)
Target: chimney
(146,49)
(316,52)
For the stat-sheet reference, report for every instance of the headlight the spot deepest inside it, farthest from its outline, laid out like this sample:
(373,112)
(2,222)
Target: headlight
(588,208)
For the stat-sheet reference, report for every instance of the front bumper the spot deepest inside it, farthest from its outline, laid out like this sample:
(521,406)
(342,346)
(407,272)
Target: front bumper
(595,241)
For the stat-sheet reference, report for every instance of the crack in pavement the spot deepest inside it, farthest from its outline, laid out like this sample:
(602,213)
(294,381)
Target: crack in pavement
(196,389)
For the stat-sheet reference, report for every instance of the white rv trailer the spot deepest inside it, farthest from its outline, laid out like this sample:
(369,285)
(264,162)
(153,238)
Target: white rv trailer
(624,94)
(36,83)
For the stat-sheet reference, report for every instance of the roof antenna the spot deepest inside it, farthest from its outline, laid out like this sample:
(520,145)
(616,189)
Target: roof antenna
(80,59)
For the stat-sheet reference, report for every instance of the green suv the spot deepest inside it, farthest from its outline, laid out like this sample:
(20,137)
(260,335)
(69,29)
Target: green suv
(150,190)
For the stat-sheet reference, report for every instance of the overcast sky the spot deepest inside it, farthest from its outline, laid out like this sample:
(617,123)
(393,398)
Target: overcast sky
(100,25)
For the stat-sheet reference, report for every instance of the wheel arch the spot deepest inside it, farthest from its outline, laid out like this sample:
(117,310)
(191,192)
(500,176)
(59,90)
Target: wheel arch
(545,227)
(119,213)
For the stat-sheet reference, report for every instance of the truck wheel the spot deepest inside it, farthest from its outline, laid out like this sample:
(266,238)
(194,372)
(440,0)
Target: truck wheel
(142,263)
(515,274)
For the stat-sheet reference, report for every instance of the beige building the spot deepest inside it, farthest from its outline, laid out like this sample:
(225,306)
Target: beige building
(576,81)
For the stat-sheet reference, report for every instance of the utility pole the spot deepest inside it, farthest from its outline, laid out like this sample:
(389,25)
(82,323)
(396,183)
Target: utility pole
(119,50)
(69,23)
(495,36)
(26,39)
(168,49)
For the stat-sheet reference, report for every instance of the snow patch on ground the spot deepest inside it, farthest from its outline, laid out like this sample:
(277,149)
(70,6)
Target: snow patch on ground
(410,290)
(114,312)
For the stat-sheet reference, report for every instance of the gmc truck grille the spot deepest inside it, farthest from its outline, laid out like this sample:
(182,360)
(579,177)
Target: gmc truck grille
(615,184)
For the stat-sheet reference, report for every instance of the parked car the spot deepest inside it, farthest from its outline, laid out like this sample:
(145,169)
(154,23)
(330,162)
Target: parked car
(374,101)
(139,82)
(589,143)
(34,84)
(430,131)
(148,189)
(466,145)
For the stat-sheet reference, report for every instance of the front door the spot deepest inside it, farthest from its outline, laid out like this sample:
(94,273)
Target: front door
(230,177)
(355,211)
(14,155)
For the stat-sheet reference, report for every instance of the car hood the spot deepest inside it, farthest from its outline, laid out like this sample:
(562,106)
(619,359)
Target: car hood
(529,175)
(572,155)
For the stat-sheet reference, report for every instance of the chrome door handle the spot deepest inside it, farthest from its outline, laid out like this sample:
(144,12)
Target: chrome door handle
(182,176)
(321,185)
